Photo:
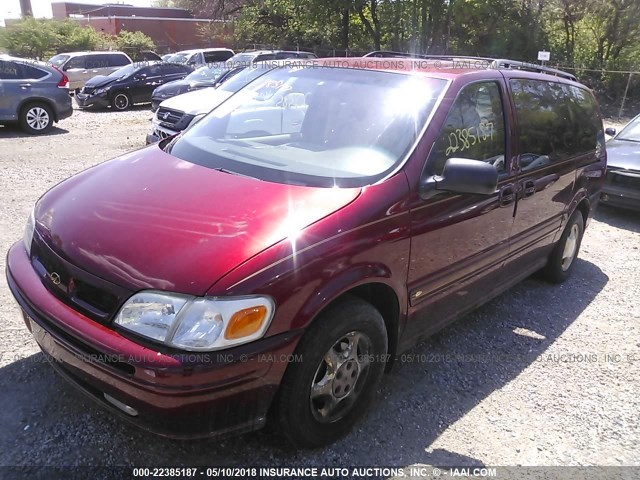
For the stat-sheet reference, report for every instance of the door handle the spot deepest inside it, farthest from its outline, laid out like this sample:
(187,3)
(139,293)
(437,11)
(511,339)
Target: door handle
(24,86)
(528,188)
(507,195)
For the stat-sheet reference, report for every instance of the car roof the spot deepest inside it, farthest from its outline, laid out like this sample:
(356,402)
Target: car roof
(90,52)
(27,61)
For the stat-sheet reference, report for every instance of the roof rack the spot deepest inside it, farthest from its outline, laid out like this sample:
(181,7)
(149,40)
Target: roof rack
(532,67)
(491,62)
(390,54)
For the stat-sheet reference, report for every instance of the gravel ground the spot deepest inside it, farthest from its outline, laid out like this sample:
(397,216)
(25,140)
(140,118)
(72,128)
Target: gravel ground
(543,375)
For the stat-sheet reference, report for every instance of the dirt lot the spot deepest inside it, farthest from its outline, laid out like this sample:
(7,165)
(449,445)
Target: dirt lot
(542,375)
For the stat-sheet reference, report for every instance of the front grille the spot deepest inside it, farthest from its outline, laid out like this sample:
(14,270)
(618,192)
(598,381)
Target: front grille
(168,116)
(93,296)
(624,179)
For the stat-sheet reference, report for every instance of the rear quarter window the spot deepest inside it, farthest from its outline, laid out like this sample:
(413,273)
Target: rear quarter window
(117,60)
(556,121)
(29,72)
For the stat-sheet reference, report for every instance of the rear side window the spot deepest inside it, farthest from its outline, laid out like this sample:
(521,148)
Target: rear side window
(168,69)
(219,56)
(117,60)
(97,61)
(556,121)
(29,72)
(474,129)
(20,71)
(9,70)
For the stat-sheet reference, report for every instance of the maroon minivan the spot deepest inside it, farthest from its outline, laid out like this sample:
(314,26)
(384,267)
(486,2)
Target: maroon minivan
(271,261)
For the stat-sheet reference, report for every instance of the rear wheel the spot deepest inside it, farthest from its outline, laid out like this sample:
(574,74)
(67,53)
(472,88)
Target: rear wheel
(562,258)
(120,101)
(36,118)
(343,356)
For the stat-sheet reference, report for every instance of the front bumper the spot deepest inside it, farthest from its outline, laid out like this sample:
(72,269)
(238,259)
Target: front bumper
(174,394)
(87,100)
(620,197)
(158,133)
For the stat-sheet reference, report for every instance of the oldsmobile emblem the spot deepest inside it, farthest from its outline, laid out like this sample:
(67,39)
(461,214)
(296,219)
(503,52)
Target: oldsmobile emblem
(165,116)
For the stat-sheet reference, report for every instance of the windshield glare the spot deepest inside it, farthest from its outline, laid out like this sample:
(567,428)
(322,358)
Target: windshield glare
(321,127)
(124,71)
(58,60)
(204,74)
(179,58)
(631,132)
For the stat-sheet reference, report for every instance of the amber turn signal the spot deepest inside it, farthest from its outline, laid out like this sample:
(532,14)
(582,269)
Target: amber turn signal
(245,322)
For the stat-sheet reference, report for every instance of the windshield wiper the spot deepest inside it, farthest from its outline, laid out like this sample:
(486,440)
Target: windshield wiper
(224,170)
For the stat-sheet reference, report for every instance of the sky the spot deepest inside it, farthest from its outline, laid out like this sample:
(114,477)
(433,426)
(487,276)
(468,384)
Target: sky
(42,8)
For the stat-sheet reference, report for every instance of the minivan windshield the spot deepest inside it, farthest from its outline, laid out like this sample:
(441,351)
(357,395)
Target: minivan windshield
(323,127)
(58,60)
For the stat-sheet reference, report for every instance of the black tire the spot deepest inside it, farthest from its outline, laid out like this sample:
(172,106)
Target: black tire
(36,118)
(120,101)
(560,265)
(351,332)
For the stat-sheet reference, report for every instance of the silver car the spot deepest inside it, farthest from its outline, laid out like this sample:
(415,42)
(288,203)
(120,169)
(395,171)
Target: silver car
(32,93)
(83,66)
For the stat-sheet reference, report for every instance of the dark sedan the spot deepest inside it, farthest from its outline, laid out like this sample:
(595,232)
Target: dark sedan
(129,85)
(203,77)
(622,188)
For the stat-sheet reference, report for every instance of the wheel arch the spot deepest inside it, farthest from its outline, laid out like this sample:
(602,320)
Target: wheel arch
(383,298)
(33,100)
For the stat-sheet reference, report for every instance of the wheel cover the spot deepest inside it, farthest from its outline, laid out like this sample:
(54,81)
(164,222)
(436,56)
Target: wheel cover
(570,247)
(37,118)
(121,101)
(340,377)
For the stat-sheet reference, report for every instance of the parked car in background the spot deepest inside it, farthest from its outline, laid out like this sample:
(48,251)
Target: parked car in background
(166,56)
(201,56)
(622,187)
(254,56)
(33,94)
(82,66)
(206,76)
(129,85)
(177,113)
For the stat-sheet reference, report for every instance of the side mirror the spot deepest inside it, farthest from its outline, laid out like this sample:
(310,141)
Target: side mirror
(610,131)
(461,175)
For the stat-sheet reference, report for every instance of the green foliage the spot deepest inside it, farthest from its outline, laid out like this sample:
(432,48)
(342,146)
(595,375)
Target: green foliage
(132,43)
(42,38)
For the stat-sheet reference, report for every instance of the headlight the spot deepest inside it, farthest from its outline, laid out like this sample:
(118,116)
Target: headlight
(100,91)
(196,119)
(196,323)
(28,232)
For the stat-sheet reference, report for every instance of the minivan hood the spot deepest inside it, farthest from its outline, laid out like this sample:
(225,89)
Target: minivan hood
(148,220)
(623,154)
(198,101)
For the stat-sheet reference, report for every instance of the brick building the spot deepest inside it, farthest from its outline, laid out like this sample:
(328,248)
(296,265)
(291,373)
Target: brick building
(171,29)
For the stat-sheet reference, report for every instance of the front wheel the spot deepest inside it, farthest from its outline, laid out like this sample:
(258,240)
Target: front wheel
(120,101)
(562,258)
(342,358)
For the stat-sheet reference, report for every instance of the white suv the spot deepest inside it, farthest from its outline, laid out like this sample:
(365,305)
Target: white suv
(83,66)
